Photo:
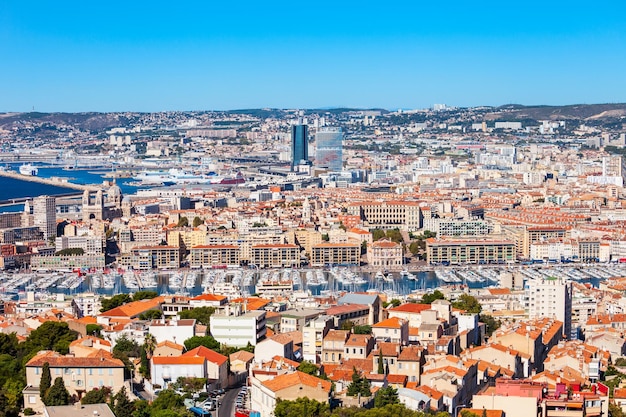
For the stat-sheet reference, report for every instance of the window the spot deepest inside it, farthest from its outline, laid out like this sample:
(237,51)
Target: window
(111,373)
(36,371)
(79,382)
(78,371)
(90,371)
(101,383)
(100,372)
(32,399)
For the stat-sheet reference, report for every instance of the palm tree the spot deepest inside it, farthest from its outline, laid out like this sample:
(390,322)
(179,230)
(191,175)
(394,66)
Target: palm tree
(149,344)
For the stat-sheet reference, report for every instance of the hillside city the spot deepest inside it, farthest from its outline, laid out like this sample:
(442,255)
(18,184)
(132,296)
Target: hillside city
(330,262)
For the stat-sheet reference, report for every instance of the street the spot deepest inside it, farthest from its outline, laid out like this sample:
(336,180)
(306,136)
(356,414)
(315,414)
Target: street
(227,409)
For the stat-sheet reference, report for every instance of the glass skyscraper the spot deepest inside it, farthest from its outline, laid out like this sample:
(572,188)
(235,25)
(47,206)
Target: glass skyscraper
(329,144)
(299,144)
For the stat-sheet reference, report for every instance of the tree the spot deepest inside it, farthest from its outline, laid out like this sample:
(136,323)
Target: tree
(46,380)
(468,303)
(57,394)
(201,314)
(359,385)
(206,341)
(51,335)
(386,395)
(70,252)
(149,344)
(115,301)
(121,404)
(381,366)
(151,315)
(491,324)
(430,297)
(96,396)
(167,400)
(94,330)
(301,407)
(197,221)
(377,234)
(346,325)
(183,222)
(145,295)
(142,408)
(308,368)
(362,329)
(13,392)
(126,346)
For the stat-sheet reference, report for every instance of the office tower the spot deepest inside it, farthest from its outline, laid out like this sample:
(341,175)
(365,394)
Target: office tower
(329,153)
(550,297)
(44,215)
(299,144)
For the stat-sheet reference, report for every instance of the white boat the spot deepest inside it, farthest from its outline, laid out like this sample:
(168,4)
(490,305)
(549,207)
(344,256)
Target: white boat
(29,169)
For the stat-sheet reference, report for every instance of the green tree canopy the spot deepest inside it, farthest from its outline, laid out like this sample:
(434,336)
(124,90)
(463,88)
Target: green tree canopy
(70,252)
(491,324)
(359,385)
(378,234)
(362,329)
(206,341)
(468,303)
(308,368)
(94,330)
(121,404)
(386,395)
(51,335)
(301,407)
(151,315)
(57,394)
(46,380)
(197,221)
(127,347)
(430,297)
(145,295)
(115,301)
(201,314)
(96,396)
(183,222)
(167,400)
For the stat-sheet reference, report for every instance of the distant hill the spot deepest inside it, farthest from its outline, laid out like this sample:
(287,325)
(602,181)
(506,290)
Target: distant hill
(575,111)
(84,121)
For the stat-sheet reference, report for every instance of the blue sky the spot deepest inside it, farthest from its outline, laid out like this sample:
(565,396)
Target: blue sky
(202,55)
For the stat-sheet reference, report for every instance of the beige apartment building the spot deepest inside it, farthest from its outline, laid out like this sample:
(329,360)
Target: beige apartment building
(280,255)
(336,254)
(151,257)
(79,374)
(468,251)
(209,256)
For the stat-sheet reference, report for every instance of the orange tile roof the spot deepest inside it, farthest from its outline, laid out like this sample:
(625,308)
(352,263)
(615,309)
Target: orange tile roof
(209,297)
(98,359)
(392,322)
(210,355)
(411,308)
(178,360)
(134,308)
(296,378)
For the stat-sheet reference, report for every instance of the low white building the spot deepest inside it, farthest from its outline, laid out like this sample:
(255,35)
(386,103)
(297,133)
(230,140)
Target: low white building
(167,369)
(174,330)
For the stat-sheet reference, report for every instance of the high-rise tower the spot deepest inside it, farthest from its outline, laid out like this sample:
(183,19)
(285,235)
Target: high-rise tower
(45,216)
(299,144)
(329,144)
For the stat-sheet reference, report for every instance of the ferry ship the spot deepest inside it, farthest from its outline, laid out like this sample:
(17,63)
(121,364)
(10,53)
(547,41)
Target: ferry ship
(29,169)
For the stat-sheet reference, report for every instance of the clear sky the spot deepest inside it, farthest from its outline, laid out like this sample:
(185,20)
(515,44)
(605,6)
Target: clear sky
(202,55)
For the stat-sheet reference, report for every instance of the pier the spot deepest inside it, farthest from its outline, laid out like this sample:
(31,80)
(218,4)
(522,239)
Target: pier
(57,182)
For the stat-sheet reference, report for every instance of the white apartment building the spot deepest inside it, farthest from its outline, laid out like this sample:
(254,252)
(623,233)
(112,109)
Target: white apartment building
(552,298)
(235,327)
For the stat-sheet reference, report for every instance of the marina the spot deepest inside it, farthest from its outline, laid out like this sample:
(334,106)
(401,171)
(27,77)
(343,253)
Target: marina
(238,282)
